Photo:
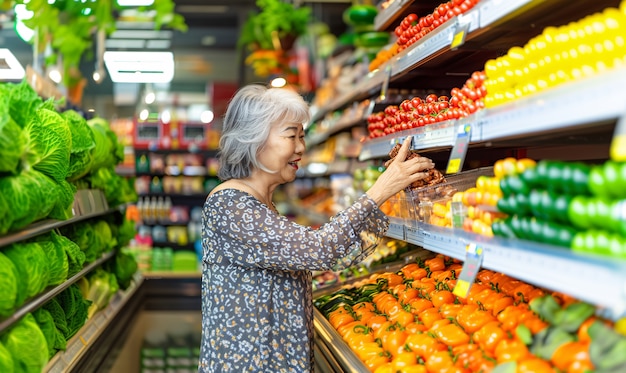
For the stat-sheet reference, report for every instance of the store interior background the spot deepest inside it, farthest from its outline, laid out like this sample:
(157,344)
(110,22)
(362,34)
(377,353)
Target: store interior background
(208,64)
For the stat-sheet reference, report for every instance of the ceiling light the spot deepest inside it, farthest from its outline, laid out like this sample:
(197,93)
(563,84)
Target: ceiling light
(135,2)
(166,116)
(206,116)
(10,67)
(140,67)
(150,97)
(278,82)
(55,76)
(143,115)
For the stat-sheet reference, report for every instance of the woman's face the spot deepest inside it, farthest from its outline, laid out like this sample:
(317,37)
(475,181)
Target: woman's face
(283,150)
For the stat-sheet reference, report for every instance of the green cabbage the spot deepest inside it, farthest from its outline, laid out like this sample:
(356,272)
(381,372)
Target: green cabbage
(83,142)
(58,264)
(32,269)
(75,257)
(6,220)
(123,266)
(54,307)
(6,360)
(48,145)
(8,287)
(103,151)
(82,233)
(24,102)
(48,328)
(12,139)
(30,196)
(63,209)
(75,307)
(27,345)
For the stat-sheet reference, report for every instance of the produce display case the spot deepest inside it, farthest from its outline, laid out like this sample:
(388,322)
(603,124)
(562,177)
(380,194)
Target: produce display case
(332,354)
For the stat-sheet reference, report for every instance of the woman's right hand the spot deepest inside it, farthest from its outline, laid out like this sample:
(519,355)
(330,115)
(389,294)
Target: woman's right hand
(400,173)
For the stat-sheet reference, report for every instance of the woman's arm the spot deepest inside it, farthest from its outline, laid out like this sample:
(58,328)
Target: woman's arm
(252,235)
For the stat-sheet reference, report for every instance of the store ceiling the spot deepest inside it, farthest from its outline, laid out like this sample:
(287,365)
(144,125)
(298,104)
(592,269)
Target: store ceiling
(205,55)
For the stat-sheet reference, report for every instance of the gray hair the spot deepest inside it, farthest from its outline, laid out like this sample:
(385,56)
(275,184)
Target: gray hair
(250,115)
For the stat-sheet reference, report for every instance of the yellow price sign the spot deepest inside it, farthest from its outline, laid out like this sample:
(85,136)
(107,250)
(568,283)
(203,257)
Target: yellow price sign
(618,148)
(458,39)
(461,289)
(453,166)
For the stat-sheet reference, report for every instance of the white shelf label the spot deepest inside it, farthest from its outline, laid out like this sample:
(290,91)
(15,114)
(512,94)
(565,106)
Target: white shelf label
(396,231)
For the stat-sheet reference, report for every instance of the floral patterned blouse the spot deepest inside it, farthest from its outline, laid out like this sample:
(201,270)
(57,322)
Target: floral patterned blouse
(257,307)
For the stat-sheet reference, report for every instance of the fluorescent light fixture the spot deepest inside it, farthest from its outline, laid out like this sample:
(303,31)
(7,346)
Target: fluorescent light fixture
(140,67)
(135,2)
(10,67)
(124,44)
(142,34)
(166,116)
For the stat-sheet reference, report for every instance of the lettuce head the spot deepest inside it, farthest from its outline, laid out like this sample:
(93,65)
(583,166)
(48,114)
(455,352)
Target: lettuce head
(27,345)
(83,142)
(8,287)
(12,140)
(32,268)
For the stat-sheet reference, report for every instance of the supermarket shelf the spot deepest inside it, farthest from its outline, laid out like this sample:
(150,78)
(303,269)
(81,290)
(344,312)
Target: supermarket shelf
(333,129)
(386,17)
(44,226)
(583,276)
(79,345)
(483,22)
(175,246)
(42,298)
(557,109)
(343,356)
(549,112)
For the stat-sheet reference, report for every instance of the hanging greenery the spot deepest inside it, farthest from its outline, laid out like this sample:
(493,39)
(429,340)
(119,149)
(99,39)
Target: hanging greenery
(275,26)
(68,27)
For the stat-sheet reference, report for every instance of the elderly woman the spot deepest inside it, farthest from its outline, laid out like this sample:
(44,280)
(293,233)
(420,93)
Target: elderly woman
(257,311)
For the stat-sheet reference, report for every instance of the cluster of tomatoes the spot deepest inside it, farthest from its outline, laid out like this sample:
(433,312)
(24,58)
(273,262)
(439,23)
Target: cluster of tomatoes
(418,112)
(412,28)
(415,323)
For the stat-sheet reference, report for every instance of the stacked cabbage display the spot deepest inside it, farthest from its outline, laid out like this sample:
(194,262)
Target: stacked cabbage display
(46,155)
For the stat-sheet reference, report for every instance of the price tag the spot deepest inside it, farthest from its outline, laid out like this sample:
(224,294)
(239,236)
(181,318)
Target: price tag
(618,144)
(473,261)
(459,150)
(396,231)
(460,32)
(385,86)
(370,108)
(413,236)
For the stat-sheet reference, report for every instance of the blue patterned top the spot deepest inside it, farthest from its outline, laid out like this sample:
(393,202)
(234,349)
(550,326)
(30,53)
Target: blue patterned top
(257,307)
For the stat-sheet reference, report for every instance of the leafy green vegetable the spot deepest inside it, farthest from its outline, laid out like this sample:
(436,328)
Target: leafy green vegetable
(103,152)
(27,345)
(75,257)
(30,196)
(24,101)
(84,236)
(83,142)
(123,267)
(32,269)
(63,208)
(48,144)
(75,307)
(6,360)
(48,328)
(8,287)
(54,307)
(58,264)
(6,220)
(12,138)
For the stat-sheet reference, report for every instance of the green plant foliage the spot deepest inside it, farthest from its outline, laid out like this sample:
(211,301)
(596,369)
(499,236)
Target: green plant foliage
(275,16)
